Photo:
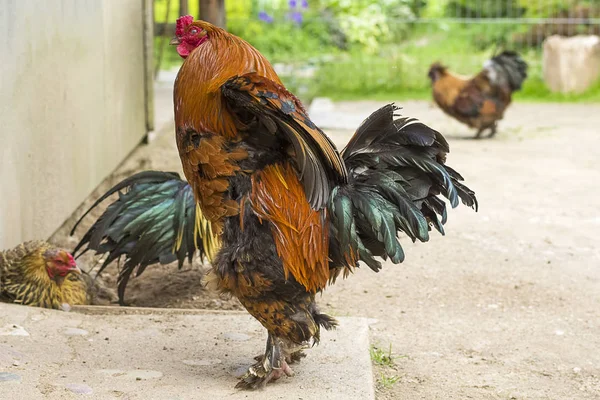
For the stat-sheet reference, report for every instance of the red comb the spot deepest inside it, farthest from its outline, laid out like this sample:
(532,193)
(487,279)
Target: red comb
(182,23)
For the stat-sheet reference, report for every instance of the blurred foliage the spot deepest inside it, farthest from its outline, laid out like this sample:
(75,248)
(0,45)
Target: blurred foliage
(381,49)
(368,24)
(286,40)
(546,8)
(484,9)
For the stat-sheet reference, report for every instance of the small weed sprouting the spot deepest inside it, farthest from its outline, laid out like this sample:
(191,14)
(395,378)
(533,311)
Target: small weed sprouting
(382,357)
(387,381)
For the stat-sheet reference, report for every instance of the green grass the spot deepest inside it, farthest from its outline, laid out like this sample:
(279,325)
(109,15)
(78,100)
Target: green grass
(385,360)
(403,78)
(383,357)
(387,381)
(535,90)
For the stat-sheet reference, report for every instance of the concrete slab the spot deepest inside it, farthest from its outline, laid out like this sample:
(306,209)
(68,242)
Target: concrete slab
(132,353)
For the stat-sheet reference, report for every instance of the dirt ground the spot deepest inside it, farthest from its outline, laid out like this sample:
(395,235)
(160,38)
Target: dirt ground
(506,305)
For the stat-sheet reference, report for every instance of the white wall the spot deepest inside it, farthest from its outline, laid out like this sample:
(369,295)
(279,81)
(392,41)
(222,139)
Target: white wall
(72,105)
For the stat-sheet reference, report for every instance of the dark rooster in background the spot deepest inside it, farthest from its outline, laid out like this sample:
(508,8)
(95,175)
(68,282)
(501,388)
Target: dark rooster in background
(280,212)
(39,274)
(479,102)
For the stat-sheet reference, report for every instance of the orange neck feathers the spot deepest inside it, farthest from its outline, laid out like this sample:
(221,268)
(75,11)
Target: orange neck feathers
(197,95)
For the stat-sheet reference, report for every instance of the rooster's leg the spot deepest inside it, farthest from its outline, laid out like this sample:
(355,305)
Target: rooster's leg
(270,367)
(493,130)
(293,358)
(479,132)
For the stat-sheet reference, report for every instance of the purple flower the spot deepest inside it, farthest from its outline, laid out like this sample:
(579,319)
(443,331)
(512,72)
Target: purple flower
(296,16)
(304,4)
(292,3)
(263,16)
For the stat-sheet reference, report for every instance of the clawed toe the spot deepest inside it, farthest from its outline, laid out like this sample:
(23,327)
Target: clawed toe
(272,365)
(285,368)
(261,373)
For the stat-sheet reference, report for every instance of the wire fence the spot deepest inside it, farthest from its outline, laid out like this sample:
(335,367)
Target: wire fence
(348,48)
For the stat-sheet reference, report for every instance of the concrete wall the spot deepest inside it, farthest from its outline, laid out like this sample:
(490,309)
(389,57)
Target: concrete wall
(72,105)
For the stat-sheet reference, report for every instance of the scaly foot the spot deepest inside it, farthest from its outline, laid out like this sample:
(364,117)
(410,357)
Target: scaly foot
(261,373)
(270,366)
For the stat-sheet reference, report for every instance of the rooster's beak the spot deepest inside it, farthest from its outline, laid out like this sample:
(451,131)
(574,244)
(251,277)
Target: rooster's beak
(175,41)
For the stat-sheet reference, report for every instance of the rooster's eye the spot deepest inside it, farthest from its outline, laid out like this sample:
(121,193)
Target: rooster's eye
(193,31)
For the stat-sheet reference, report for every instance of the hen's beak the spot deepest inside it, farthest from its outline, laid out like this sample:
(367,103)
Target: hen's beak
(175,41)
(75,269)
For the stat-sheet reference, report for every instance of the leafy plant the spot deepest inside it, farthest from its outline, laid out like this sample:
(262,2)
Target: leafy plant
(368,24)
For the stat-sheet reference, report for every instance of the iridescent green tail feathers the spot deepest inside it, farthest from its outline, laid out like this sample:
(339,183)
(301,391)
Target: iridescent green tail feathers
(153,220)
(397,173)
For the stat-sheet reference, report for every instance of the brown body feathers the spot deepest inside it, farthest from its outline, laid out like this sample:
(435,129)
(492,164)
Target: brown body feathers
(301,233)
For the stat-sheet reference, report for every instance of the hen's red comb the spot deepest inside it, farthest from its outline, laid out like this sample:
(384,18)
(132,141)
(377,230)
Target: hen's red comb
(182,23)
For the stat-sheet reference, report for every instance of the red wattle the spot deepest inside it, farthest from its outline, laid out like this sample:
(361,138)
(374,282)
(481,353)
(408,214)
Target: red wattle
(182,50)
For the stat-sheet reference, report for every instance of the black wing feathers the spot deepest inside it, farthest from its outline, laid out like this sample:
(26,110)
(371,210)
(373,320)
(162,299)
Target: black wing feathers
(396,171)
(257,101)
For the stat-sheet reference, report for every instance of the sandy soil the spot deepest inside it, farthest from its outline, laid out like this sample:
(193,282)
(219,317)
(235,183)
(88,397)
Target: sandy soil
(506,305)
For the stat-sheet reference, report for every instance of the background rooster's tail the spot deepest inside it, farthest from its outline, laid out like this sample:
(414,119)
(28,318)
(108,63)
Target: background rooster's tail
(509,66)
(154,219)
(396,172)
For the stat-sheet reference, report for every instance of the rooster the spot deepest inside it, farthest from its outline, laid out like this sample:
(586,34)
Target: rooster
(287,210)
(39,274)
(479,102)
(278,211)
